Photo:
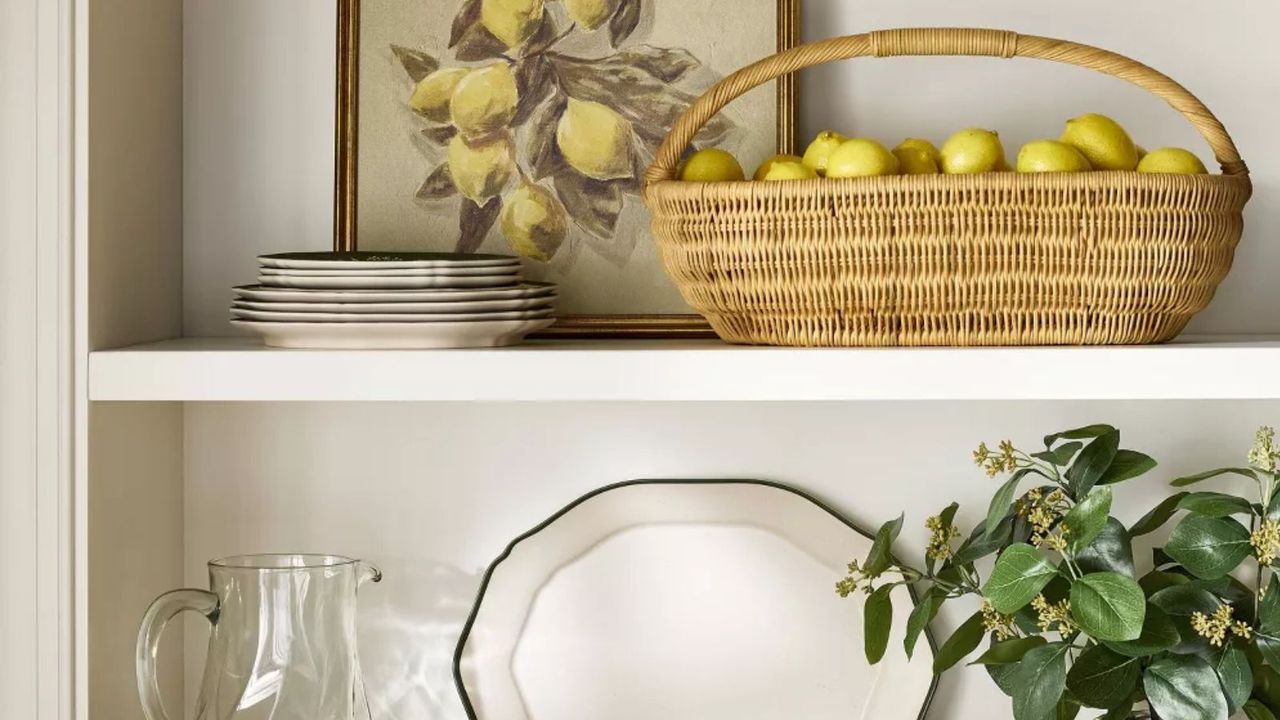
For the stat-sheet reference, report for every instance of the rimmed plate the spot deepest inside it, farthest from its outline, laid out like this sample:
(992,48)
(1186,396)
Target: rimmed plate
(393,336)
(378,282)
(321,317)
(263,293)
(683,600)
(341,260)
(471,306)
(392,272)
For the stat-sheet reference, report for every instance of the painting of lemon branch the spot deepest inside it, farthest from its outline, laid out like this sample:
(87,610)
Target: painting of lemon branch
(540,117)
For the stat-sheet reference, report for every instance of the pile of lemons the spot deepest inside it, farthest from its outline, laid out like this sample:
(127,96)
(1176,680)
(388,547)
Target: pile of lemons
(1089,142)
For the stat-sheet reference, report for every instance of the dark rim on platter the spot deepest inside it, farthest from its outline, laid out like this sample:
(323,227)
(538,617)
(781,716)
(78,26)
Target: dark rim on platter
(488,573)
(361,256)
(526,285)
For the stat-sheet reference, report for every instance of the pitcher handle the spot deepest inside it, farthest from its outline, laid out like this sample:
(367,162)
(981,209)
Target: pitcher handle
(162,610)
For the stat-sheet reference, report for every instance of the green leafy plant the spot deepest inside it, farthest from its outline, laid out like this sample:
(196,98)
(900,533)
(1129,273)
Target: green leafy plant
(1067,620)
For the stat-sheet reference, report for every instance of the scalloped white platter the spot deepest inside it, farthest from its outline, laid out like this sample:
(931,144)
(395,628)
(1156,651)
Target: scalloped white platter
(323,317)
(393,336)
(684,600)
(262,293)
(388,282)
(408,308)
(392,272)
(384,260)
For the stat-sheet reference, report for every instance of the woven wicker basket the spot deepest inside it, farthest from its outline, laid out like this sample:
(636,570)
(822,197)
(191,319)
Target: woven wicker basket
(992,259)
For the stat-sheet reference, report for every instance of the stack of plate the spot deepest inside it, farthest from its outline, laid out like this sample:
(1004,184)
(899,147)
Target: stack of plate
(401,300)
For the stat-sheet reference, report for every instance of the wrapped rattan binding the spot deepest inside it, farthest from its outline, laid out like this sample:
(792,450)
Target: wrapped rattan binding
(993,259)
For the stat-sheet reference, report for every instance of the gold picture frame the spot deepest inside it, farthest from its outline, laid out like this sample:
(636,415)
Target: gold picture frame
(347,144)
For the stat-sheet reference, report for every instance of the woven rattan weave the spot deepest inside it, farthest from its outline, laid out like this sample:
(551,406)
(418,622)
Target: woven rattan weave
(992,259)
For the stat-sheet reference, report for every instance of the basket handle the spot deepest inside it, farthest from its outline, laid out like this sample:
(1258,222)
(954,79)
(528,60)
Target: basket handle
(941,41)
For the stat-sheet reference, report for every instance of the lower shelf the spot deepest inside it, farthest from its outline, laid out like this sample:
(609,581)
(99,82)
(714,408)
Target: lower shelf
(232,369)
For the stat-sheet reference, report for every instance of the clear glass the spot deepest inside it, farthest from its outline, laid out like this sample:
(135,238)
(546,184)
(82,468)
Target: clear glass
(282,640)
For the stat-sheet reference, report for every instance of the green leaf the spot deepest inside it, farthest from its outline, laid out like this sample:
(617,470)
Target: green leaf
(1067,709)
(880,556)
(1103,679)
(1092,463)
(1001,503)
(1159,633)
(1184,687)
(947,516)
(1234,675)
(1200,477)
(1123,712)
(1272,511)
(962,642)
(1157,580)
(1004,676)
(1158,516)
(1108,606)
(1268,643)
(1061,455)
(1087,518)
(1215,504)
(1209,547)
(1083,433)
(979,545)
(1040,681)
(1007,652)
(1269,609)
(1128,464)
(1180,602)
(921,615)
(877,616)
(1111,551)
(1254,710)
(1020,573)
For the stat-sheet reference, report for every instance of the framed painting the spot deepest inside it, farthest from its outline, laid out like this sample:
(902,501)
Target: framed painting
(524,126)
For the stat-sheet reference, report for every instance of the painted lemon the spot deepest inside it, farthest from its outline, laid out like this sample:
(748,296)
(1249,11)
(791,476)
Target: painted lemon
(1040,156)
(511,21)
(534,222)
(590,14)
(918,157)
(767,165)
(432,94)
(485,100)
(595,140)
(711,165)
(1172,160)
(861,157)
(1103,141)
(973,151)
(481,169)
(819,151)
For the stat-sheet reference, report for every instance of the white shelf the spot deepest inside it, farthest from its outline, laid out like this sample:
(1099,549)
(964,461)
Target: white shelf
(231,369)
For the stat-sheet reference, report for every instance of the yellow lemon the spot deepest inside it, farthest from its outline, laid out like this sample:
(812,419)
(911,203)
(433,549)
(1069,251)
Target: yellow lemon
(918,157)
(973,151)
(595,140)
(1051,156)
(1172,160)
(790,170)
(860,157)
(511,21)
(819,151)
(432,94)
(534,222)
(1142,152)
(711,165)
(1103,141)
(481,169)
(590,14)
(768,164)
(485,100)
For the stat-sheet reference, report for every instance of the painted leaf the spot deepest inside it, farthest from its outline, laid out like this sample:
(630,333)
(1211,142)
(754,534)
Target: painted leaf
(877,616)
(438,185)
(593,204)
(1158,516)
(468,17)
(1087,519)
(1108,606)
(1159,633)
(479,44)
(544,157)
(1184,687)
(417,64)
(665,64)
(1092,463)
(1209,547)
(1103,679)
(624,21)
(963,641)
(1020,573)
(439,135)
(1040,681)
(535,82)
(475,222)
(543,38)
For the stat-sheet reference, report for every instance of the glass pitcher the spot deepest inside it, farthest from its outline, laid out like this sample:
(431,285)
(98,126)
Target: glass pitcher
(282,643)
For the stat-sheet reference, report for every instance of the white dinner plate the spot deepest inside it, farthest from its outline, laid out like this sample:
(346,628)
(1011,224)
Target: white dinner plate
(377,282)
(684,600)
(393,336)
(466,306)
(392,272)
(319,317)
(336,260)
(272,294)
